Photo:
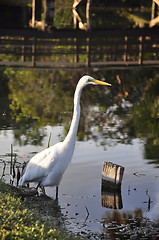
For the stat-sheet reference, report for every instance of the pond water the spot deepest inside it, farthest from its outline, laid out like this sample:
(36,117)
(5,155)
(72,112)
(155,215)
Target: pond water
(118,125)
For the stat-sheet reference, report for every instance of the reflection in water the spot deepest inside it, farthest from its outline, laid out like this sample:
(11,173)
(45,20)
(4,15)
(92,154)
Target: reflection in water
(39,97)
(144,117)
(11,168)
(112,175)
(116,125)
(129,225)
(115,221)
(111,198)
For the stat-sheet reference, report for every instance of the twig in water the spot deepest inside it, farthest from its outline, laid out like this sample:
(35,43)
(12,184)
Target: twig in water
(11,160)
(48,144)
(3,171)
(87,214)
(149,200)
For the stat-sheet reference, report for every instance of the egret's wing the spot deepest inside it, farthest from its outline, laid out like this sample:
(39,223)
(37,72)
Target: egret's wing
(36,159)
(39,165)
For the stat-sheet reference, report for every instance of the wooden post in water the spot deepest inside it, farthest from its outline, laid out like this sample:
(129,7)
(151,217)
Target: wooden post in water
(112,175)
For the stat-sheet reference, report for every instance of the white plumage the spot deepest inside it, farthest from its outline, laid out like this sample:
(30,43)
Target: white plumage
(47,167)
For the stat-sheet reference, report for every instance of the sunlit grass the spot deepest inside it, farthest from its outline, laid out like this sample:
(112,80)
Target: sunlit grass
(18,222)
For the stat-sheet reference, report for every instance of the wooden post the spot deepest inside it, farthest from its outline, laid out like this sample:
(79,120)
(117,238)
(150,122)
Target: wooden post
(76,20)
(75,14)
(153,10)
(76,47)
(33,14)
(112,175)
(88,52)
(76,2)
(23,49)
(154,13)
(88,15)
(125,57)
(140,61)
(33,52)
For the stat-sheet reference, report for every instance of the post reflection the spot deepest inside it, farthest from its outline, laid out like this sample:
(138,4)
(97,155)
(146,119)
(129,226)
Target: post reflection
(111,199)
(112,175)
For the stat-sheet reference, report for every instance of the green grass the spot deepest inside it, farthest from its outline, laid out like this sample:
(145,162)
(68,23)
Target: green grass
(18,222)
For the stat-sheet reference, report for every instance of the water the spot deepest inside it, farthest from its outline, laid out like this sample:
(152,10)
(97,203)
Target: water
(80,189)
(113,130)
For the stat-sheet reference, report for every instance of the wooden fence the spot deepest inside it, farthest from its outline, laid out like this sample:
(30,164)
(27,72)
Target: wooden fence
(76,48)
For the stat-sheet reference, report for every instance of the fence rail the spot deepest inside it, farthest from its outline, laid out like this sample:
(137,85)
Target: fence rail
(77,48)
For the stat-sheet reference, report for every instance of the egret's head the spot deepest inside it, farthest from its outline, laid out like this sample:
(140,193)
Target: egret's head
(85,80)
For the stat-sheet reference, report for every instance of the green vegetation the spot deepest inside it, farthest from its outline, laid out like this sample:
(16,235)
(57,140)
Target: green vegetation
(38,98)
(18,222)
(63,14)
(145,119)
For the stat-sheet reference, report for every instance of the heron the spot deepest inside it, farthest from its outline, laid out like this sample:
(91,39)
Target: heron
(47,167)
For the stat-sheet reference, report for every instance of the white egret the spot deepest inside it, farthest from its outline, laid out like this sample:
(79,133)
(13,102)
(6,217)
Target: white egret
(47,167)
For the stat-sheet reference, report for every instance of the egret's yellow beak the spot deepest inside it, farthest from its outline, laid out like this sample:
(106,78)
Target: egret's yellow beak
(100,82)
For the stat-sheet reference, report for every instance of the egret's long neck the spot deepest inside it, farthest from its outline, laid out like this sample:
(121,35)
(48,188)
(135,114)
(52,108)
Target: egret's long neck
(71,136)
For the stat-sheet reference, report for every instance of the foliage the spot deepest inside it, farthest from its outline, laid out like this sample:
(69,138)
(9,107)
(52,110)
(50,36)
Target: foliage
(35,96)
(108,116)
(63,14)
(39,98)
(145,118)
(18,222)
(130,225)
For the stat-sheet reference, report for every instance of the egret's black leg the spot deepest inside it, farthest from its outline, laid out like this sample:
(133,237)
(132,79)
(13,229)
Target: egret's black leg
(57,191)
(38,186)
(43,189)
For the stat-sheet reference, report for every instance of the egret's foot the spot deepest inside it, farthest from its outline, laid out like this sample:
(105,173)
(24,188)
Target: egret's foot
(42,189)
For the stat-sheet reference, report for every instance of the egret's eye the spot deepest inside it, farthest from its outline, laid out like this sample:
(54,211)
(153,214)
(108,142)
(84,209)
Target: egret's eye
(90,80)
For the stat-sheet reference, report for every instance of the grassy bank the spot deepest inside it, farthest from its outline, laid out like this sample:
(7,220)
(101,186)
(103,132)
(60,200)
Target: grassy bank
(19,222)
